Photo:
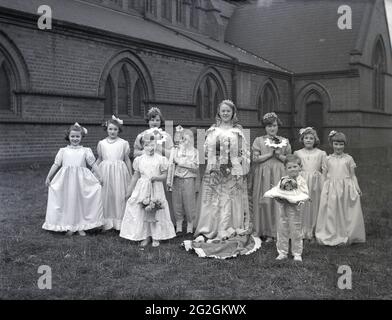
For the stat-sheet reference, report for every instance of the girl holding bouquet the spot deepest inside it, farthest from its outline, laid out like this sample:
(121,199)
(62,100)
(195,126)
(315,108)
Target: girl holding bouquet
(269,153)
(147,215)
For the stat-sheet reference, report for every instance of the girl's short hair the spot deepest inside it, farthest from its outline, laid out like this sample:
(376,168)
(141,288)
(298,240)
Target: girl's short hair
(292,158)
(270,118)
(77,128)
(337,136)
(152,113)
(114,122)
(304,132)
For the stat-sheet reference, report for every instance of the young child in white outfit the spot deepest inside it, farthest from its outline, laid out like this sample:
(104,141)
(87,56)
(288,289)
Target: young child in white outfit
(74,196)
(147,215)
(290,218)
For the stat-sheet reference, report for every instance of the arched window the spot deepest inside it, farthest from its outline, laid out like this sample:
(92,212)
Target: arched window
(128,98)
(379,75)
(122,93)
(314,112)
(194,15)
(208,96)
(199,103)
(5,90)
(151,7)
(180,11)
(138,96)
(267,101)
(109,96)
(167,9)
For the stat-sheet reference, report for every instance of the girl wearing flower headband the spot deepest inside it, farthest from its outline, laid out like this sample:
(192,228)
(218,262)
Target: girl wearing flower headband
(116,169)
(147,216)
(340,218)
(269,153)
(313,160)
(74,196)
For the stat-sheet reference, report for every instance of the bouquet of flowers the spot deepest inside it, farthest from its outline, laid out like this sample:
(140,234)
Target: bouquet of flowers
(276,142)
(287,190)
(158,134)
(288,184)
(151,206)
(223,154)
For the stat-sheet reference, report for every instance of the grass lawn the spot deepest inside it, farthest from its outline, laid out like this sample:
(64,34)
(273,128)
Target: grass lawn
(104,266)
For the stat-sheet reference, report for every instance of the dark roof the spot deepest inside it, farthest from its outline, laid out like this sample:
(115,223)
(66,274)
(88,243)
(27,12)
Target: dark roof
(300,35)
(87,14)
(90,15)
(235,52)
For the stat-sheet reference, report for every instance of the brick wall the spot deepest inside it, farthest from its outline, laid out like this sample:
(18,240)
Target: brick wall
(65,72)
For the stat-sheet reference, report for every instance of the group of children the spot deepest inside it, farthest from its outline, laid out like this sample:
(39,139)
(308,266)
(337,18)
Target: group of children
(113,196)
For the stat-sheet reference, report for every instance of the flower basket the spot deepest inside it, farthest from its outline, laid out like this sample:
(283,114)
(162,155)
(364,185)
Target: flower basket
(151,206)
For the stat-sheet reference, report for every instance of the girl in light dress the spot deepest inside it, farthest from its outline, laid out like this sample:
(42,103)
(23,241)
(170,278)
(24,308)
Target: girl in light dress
(340,218)
(74,196)
(116,169)
(269,153)
(141,221)
(313,160)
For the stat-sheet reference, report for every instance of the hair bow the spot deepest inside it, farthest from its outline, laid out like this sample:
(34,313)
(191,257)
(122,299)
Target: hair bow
(332,133)
(83,128)
(303,130)
(117,119)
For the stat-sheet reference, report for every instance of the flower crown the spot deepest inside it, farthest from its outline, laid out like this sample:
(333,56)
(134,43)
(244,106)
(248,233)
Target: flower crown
(227,101)
(332,133)
(305,130)
(270,115)
(83,128)
(154,109)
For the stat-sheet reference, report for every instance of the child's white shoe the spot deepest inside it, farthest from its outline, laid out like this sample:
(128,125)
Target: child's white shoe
(82,233)
(281,256)
(269,240)
(155,243)
(199,239)
(144,243)
(69,233)
(298,258)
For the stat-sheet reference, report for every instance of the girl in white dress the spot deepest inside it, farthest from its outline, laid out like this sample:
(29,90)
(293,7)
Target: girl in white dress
(340,217)
(116,170)
(313,160)
(74,197)
(147,182)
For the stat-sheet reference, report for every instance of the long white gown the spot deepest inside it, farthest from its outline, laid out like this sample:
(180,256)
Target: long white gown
(134,226)
(116,179)
(74,197)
